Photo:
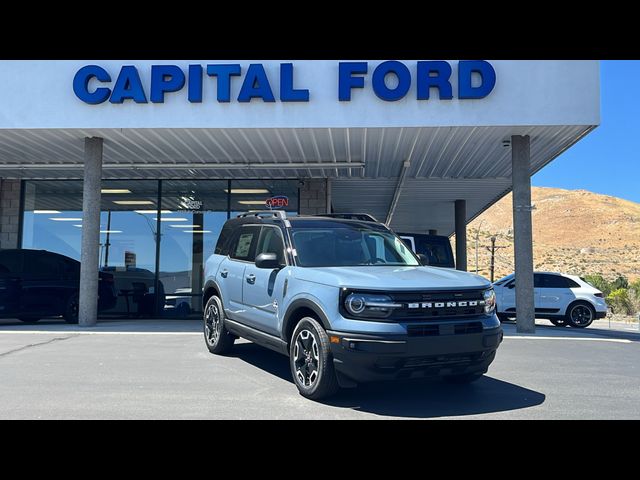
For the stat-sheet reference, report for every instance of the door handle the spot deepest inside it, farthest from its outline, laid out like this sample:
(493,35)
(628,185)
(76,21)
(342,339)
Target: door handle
(251,279)
(224,273)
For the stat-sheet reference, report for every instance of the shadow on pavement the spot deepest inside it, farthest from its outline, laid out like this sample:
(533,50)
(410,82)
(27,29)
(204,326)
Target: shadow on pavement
(413,399)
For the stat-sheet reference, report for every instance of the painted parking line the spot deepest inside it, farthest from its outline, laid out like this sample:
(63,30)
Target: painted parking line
(577,339)
(82,332)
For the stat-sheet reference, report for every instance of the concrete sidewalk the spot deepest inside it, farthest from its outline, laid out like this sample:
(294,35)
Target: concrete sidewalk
(194,326)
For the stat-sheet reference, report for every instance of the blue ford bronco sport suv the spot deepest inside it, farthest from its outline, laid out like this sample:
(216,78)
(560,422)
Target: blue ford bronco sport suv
(347,301)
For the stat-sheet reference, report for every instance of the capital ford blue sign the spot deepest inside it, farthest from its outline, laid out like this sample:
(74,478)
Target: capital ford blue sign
(94,85)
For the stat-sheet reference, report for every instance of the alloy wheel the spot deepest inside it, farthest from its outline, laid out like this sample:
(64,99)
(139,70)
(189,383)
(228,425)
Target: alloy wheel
(306,357)
(581,315)
(212,324)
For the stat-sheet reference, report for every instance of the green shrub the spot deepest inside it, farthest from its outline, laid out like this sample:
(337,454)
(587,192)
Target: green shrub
(620,282)
(634,289)
(600,283)
(620,302)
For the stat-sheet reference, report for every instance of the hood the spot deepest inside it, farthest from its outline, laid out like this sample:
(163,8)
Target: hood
(392,278)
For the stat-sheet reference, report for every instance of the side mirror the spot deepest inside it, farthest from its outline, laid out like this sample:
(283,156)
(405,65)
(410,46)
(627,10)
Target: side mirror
(268,261)
(424,260)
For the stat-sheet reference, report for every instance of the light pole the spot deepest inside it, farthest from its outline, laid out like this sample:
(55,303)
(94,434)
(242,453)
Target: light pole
(477,236)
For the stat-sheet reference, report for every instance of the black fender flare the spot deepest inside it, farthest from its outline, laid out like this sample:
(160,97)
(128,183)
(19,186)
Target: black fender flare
(210,285)
(307,304)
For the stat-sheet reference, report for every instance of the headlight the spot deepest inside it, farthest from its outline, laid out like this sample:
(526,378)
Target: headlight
(369,305)
(489,301)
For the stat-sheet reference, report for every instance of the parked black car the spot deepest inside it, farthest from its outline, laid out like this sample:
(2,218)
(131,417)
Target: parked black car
(37,283)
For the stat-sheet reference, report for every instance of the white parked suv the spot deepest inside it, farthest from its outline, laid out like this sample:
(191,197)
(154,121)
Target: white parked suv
(562,299)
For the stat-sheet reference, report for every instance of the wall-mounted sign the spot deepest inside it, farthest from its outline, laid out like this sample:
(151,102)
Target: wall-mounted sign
(391,81)
(190,203)
(279,201)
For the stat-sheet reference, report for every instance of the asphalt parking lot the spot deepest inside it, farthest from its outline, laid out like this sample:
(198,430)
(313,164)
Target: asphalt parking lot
(161,370)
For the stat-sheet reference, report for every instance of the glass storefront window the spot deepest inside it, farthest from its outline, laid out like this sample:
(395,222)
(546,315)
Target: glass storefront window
(52,221)
(128,243)
(191,213)
(248,195)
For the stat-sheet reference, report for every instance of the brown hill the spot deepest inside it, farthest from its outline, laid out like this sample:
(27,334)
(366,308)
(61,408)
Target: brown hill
(574,231)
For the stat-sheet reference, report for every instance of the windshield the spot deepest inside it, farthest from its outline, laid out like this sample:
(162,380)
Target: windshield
(351,246)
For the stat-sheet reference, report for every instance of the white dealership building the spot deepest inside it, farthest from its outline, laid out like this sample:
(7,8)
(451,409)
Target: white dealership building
(134,165)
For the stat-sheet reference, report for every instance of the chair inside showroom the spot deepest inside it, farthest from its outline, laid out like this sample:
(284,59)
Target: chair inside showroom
(140,291)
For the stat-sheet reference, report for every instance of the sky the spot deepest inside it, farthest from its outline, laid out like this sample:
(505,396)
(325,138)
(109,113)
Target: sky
(608,159)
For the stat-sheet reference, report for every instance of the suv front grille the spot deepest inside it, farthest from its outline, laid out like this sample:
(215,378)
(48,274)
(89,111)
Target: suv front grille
(438,305)
(435,330)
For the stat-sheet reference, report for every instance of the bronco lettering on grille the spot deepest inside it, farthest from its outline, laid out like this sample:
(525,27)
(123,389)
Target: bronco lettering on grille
(427,305)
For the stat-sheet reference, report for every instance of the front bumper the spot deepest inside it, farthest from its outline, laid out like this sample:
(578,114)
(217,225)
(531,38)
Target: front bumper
(366,358)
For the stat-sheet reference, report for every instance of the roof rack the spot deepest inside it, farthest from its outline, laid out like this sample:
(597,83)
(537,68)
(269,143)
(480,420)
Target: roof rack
(279,214)
(364,217)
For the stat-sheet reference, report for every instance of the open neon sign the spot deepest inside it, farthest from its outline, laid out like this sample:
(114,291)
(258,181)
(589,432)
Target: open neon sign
(279,201)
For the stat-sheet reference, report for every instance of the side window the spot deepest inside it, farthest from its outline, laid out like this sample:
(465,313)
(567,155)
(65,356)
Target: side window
(538,280)
(10,262)
(571,283)
(271,241)
(554,281)
(70,267)
(243,246)
(42,265)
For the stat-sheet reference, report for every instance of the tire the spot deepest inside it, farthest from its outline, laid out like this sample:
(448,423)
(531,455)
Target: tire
(71,309)
(502,317)
(216,337)
(463,379)
(29,319)
(311,361)
(580,314)
(559,322)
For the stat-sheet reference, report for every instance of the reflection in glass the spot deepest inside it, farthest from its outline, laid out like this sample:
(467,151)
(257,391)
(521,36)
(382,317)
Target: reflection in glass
(191,217)
(254,195)
(194,213)
(53,221)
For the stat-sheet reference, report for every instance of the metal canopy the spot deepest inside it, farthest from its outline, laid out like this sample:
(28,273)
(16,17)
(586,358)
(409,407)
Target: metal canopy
(446,163)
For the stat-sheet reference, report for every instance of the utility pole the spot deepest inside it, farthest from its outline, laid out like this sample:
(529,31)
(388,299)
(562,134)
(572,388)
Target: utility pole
(493,249)
(477,237)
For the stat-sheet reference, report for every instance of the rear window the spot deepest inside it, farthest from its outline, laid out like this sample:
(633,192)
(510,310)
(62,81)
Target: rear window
(555,281)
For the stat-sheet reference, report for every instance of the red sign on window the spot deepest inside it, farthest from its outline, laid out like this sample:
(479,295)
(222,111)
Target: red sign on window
(280,201)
